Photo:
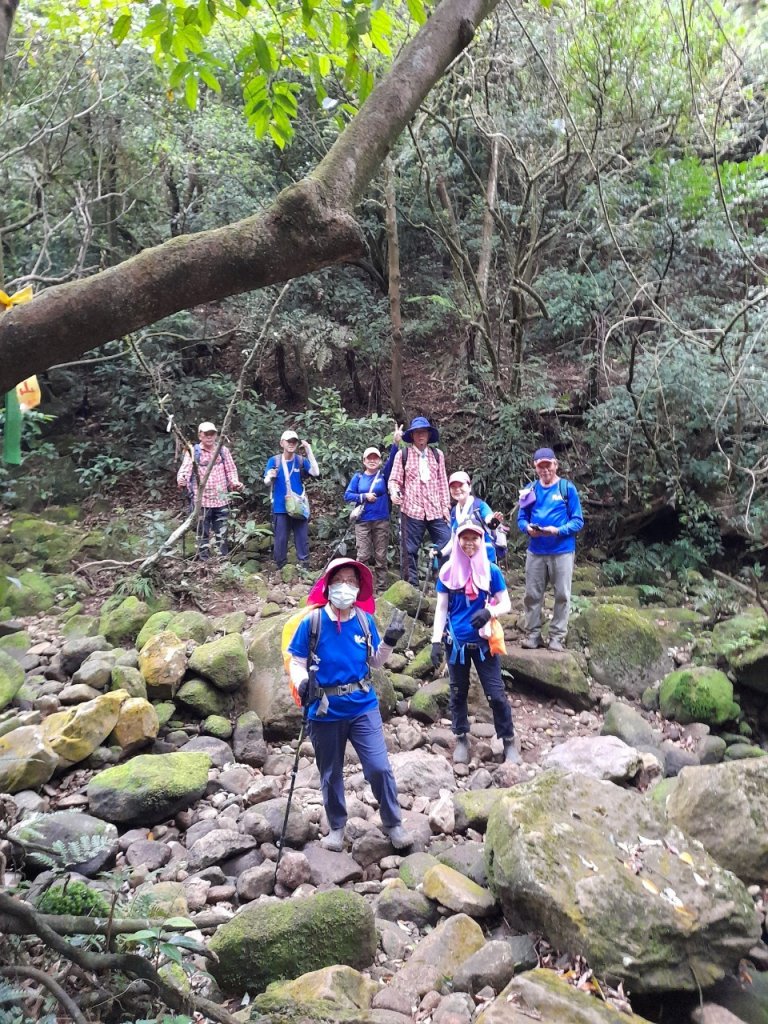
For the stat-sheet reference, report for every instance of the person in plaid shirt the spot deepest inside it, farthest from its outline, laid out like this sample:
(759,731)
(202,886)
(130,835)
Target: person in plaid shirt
(214,507)
(418,485)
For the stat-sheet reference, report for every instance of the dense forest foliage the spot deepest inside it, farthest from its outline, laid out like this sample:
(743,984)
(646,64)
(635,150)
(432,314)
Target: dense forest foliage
(566,246)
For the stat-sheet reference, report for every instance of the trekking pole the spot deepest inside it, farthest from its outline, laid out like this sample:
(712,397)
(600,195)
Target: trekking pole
(432,568)
(294,773)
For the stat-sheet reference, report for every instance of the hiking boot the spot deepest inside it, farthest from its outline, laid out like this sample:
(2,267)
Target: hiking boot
(511,755)
(334,840)
(400,838)
(461,753)
(556,645)
(531,643)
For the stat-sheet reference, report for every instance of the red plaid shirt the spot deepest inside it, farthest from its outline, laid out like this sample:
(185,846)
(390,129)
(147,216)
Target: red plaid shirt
(222,479)
(421,500)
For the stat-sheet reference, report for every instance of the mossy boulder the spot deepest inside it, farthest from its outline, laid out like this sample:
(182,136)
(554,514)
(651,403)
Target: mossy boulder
(230,622)
(560,675)
(421,665)
(79,626)
(430,702)
(555,859)
(51,546)
(122,624)
(16,644)
(163,663)
(149,788)
(385,692)
(544,996)
(268,694)
(125,677)
(458,893)
(203,698)
(405,596)
(165,710)
(29,592)
(76,732)
(277,941)
(335,993)
(751,667)
(414,867)
(438,955)
(625,652)
(190,625)
(156,623)
(472,807)
(224,662)
(27,759)
(697,693)
(218,726)
(11,678)
(725,807)
(137,725)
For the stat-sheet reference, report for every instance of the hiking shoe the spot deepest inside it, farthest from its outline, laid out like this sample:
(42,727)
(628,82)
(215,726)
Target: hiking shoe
(511,755)
(531,643)
(461,751)
(400,838)
(334,840)
(556,645)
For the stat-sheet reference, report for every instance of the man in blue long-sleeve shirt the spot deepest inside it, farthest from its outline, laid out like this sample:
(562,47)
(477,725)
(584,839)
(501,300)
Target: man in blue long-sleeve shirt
(550,515)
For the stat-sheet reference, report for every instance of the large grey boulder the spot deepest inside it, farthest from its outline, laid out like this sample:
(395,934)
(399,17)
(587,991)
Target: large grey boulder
(267,692)
(421,773)
(67,839)
(224,662)
(437,956)
(601,757)
(596,869)
(625,722)
(560,675)
(27,759)
(248,742)
(725,807)
(75,651)
(268,942)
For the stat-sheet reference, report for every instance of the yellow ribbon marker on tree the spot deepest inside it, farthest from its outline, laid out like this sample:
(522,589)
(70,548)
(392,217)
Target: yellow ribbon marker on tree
(25,396)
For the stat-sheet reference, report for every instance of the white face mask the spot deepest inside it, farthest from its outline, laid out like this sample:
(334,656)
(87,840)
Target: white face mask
(342,595)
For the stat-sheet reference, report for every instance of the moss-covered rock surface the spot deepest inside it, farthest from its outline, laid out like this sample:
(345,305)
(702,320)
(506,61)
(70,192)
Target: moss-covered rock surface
(698,693)
(148,788)
(281,941)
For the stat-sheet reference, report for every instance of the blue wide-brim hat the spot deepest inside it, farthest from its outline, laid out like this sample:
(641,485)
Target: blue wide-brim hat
(421,423)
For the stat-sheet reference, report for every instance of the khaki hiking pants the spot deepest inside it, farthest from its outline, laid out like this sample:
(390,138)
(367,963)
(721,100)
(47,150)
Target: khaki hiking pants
(372,540)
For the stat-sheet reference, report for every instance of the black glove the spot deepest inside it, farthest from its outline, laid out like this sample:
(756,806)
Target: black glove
(395,629)
(304,693)
(437,655)
(479,618)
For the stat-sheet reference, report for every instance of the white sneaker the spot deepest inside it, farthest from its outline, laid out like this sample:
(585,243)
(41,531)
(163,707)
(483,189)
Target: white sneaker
(334,840)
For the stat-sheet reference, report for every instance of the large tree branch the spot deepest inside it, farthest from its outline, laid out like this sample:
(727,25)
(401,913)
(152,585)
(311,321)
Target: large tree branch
(309,226)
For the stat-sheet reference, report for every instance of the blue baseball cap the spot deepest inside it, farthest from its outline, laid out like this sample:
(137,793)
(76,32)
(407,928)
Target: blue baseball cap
(543,455)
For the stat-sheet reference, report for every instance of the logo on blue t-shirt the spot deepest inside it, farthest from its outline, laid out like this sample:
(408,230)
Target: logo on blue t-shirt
(360,640)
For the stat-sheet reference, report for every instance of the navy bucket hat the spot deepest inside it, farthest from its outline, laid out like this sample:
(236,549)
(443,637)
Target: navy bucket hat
(421,423)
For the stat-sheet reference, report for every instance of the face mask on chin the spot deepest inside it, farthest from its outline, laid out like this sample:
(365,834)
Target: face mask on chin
(342,595)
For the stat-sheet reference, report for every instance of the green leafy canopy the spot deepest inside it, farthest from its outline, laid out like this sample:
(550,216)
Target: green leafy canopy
(269,49)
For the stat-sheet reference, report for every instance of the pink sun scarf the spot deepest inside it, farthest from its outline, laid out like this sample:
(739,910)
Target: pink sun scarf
(468,574)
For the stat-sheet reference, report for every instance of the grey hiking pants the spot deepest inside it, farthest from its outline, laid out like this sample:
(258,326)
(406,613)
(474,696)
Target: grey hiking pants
(539,570)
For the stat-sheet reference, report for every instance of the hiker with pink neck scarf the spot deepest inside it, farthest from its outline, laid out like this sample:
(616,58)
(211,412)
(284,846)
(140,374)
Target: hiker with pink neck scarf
(470,592)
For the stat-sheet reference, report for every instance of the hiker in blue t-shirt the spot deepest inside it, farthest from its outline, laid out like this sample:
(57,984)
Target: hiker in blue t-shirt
(367,492)
(284,475)
(346,647)
(471,592)
(550,515)
(467,506)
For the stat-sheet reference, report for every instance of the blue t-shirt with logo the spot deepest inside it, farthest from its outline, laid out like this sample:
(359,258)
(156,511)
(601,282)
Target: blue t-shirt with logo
(557,505)
(295,466)
(341,656)
(461,609)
